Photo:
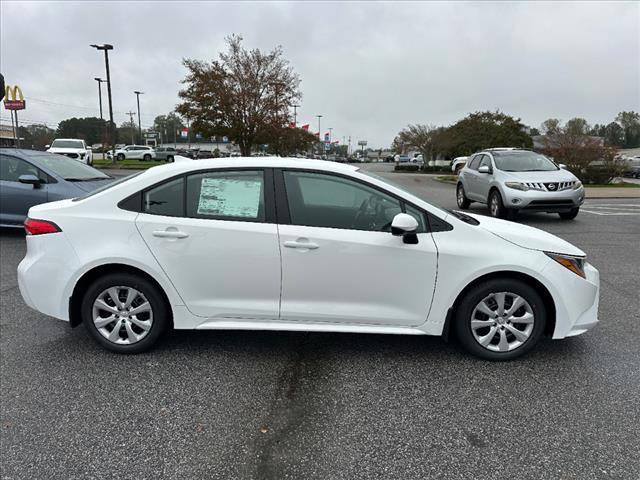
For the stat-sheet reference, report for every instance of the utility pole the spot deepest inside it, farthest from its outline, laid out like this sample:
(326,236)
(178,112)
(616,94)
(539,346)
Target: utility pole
(295,115)
(99,80)
(349,146)
(131,114)
(138,93)
(106,47)
(319,131)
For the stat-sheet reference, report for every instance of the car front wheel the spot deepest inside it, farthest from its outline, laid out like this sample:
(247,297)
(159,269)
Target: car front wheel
(500,319)
(120,156)
(124,313)
(570,215)
(496,207)
(461,197)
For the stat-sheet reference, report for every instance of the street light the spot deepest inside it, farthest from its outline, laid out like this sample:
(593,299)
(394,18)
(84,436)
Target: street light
(295,115)
(106,47)
(319,131)
(100,81)
(139,126)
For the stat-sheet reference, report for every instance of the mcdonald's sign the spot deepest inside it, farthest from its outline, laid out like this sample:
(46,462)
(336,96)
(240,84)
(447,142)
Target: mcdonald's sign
(13,98)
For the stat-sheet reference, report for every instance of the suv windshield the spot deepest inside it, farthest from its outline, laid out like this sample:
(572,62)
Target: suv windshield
(66,167)
(523,161)
(67,144)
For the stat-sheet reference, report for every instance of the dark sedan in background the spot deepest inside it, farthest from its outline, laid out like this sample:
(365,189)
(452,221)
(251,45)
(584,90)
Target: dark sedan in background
(30,177)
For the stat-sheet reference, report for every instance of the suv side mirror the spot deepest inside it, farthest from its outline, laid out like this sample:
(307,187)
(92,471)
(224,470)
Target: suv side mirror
(30,179)
(562,166)
(47,146)
(405,226)
(484,169)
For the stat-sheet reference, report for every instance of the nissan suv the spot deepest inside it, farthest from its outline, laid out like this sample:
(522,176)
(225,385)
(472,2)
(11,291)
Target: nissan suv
(509,180)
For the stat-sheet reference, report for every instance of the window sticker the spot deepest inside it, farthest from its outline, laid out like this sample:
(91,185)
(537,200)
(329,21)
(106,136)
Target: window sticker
(230,197)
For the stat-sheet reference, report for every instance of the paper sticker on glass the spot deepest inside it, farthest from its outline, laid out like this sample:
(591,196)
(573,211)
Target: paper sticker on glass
(230,196)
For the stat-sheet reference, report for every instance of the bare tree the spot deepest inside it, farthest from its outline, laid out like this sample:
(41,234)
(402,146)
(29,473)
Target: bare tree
(421,137)
(242,95)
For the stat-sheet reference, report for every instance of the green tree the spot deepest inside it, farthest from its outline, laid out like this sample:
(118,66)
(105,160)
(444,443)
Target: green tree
(613,134)
(287,141)
(551,126)
(427,139)
(630,123)
(127,132)
(36,136)
(168,126)
(577,126)
(242,95)
(90,129)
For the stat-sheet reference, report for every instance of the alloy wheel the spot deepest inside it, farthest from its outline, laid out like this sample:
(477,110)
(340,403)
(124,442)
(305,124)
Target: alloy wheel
(493,206)
(502,321)
(122,315)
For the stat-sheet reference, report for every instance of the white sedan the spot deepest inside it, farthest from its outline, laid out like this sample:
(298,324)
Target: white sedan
(290,244)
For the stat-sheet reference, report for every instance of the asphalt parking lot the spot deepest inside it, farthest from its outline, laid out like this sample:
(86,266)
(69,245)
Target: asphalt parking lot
(324,406)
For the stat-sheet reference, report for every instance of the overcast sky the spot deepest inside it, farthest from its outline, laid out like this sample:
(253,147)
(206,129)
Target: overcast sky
(368,68)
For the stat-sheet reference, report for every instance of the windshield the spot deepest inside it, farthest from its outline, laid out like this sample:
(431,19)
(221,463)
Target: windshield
(519,161)
(66,167)
(67,144)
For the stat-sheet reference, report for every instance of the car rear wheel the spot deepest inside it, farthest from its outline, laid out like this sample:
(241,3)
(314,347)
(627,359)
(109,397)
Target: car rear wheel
(496,207)
(461,197)
(124,313)
(500,319)
(146,157)
(170,158)
(570,215)
(120,156)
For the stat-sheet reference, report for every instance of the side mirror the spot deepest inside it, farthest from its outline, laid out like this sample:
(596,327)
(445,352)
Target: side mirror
(89,148)
(47,146)
(484,169)
(562,165)
(30,179)
(405,226)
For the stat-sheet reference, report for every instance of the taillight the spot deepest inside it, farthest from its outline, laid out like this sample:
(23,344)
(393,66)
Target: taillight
(39,227)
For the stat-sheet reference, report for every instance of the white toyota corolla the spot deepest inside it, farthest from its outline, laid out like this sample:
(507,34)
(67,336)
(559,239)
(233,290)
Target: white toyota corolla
(290,244)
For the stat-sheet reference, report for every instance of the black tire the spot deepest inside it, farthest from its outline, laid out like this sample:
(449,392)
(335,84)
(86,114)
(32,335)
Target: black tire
(570,215)
(466,307)
(160,310)
(146,157)
(496,206)
(120,156)
(461,197)
(170,158)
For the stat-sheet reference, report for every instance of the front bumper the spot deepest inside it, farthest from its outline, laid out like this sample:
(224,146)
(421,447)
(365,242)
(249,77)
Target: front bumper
(537,200)
(576,299)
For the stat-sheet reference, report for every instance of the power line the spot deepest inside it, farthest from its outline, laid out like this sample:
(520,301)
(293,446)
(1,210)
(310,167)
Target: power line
(81,107)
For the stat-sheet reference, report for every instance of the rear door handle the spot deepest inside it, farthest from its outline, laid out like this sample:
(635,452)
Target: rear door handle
(170,234)
(307,245)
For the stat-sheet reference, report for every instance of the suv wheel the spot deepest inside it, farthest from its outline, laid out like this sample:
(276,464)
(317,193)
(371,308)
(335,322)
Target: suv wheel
(570,215)
(146,157)
(463,201)
(120,156)
(169,158)
(496,207)
(500,319)
(124,313)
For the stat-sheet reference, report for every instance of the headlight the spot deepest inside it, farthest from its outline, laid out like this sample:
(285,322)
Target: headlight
(517,186)
(575,264)
(577,185)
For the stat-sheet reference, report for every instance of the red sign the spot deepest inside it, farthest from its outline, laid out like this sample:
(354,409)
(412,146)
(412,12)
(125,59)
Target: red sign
(14,99)
(15,104)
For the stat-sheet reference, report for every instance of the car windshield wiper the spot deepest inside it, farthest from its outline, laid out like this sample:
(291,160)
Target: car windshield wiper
(464,217)
(88,179)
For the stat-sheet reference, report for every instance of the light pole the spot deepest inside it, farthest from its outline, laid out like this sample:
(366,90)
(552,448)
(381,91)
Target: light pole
(106,47)
(139,124)
(99,80)
(295,115)
(319,132)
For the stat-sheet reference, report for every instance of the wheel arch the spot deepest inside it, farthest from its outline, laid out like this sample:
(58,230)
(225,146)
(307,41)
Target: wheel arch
(540,288)
(75,301)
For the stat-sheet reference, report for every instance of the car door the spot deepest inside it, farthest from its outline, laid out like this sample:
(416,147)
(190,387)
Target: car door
(470,174)
(483,180)
(340,263)
(215,236)
(17,198)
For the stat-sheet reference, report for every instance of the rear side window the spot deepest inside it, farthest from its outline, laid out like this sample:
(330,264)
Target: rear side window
(226,195)
(166,199)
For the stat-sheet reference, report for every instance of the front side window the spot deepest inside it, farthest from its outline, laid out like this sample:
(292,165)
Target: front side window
(486,161)
(226,195)
(323,200)
(12,168)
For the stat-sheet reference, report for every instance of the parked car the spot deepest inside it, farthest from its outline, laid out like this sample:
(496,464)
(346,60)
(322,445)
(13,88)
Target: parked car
(134,152)
(30,177)
(632,172)
(510,180)
(458,164)
(165,153)
(303,245)
(418,158)
(402,158)
(74,148)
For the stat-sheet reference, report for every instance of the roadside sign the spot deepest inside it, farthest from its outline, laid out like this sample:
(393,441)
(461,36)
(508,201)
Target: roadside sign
(14,99)
(362,143)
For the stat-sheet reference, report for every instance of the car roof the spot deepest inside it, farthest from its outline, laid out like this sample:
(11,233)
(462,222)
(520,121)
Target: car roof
(78,139)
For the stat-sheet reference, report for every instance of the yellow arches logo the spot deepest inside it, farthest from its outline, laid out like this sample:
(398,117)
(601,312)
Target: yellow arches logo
(14,99)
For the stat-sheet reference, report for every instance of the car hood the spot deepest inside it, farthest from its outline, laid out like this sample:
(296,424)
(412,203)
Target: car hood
(527,237)
(66,150)
(550,176)
(91,185)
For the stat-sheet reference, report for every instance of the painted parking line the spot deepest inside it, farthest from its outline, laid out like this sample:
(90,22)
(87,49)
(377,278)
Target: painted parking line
(611,209)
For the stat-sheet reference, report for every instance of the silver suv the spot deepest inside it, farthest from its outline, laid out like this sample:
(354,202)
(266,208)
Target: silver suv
(509,180)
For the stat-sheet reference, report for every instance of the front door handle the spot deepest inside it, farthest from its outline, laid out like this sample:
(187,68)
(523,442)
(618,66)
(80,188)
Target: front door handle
(301,243)
(170,234)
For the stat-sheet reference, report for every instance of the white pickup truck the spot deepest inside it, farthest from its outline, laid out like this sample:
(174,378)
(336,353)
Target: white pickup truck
(73,148)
